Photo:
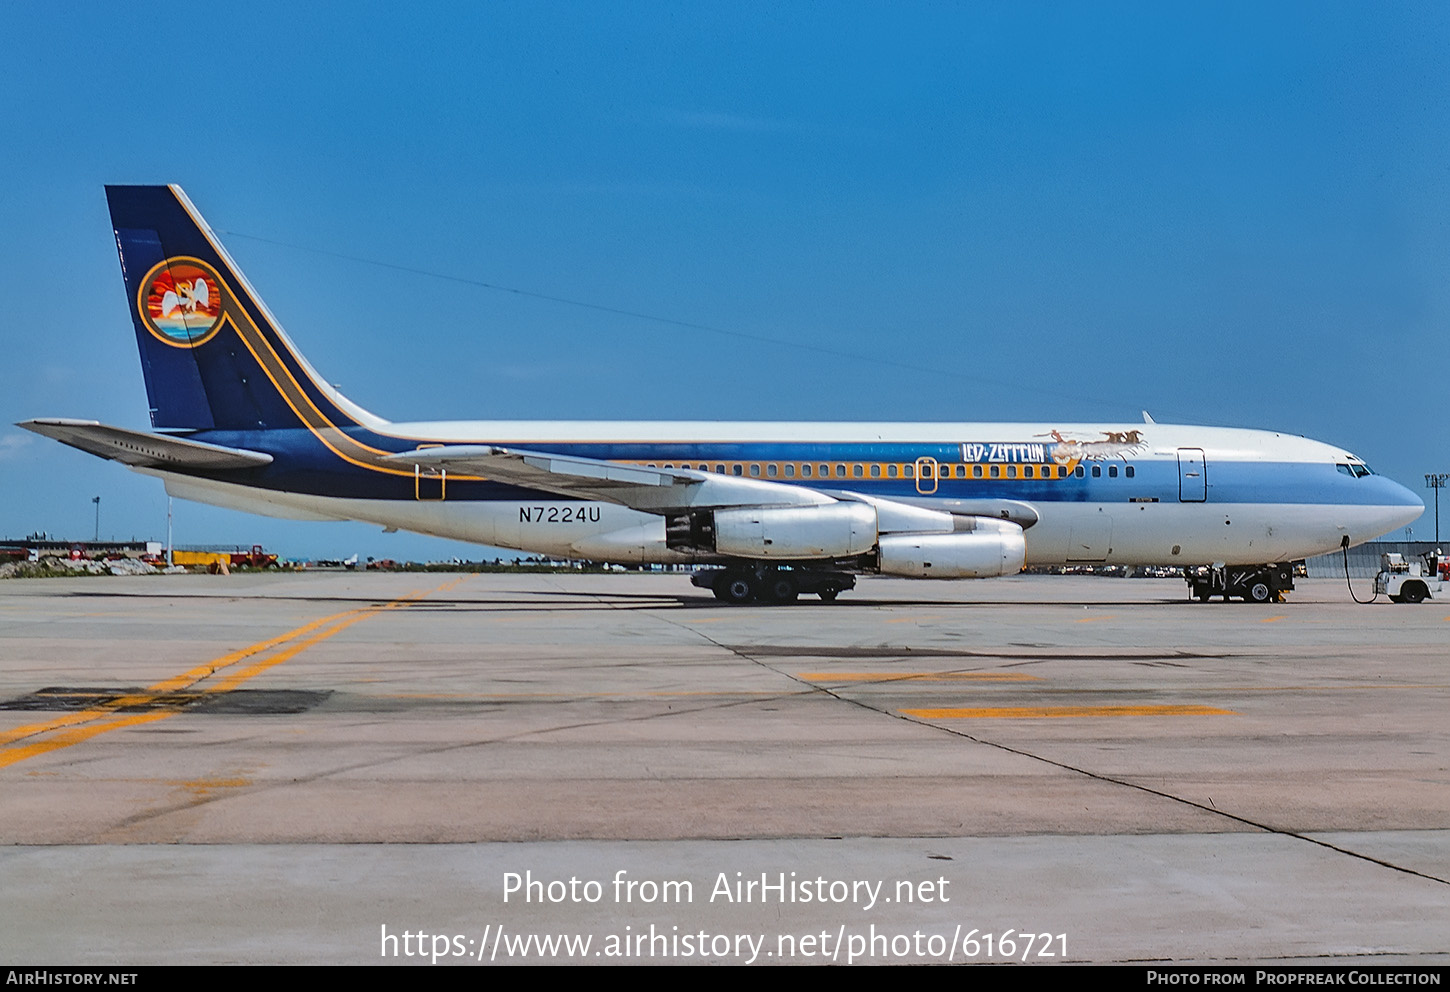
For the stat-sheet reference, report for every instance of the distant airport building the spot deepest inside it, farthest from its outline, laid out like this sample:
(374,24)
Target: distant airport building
(44,546)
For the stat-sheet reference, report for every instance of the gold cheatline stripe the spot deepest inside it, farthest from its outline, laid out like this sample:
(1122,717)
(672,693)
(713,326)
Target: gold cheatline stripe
(1049,470)
(77,727)
(1033,712)
(313,418)
(272,365)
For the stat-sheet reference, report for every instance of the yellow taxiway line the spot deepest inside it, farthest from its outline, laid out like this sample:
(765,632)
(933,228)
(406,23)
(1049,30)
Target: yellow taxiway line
(919,677)
(1039,712)
(19,743)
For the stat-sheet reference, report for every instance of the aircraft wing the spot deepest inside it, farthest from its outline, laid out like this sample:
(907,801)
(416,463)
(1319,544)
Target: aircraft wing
(653,490)
(142,450)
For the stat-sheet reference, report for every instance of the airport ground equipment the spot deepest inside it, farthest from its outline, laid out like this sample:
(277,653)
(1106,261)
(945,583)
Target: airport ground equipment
(256,558)
(752,583)
(1251,583)
(1410,581)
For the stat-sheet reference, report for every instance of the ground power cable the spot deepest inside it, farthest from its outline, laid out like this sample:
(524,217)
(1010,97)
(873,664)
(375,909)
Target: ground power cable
(1344,549)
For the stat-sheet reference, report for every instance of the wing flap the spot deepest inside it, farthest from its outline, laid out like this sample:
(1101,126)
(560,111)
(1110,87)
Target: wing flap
(142,450)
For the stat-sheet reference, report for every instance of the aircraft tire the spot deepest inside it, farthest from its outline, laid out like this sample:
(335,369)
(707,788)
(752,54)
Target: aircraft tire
(780,588)
(736,587)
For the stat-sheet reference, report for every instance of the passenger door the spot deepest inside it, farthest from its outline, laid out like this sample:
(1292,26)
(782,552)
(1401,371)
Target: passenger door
(1192,476)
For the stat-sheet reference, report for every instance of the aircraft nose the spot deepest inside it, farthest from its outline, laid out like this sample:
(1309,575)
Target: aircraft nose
(1407,506)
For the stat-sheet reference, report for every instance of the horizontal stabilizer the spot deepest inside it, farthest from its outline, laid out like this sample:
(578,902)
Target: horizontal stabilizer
(142,450)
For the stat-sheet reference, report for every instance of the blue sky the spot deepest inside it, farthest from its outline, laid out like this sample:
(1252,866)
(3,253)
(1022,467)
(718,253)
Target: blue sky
(1231,214)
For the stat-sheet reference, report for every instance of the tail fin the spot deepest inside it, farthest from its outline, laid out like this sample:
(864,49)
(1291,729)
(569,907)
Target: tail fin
(212,354)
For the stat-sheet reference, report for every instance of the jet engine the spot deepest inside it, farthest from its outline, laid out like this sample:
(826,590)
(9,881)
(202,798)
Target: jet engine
(833,530)
(989,548)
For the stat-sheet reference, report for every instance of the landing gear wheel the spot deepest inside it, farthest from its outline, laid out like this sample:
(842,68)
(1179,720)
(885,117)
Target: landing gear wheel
(735,588)
(1259,592)
(780,588)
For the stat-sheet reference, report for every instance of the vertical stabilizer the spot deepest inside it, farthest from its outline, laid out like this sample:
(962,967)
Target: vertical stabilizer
(212,354)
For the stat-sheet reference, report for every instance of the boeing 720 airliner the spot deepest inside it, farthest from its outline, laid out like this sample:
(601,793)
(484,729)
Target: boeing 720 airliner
(241,420)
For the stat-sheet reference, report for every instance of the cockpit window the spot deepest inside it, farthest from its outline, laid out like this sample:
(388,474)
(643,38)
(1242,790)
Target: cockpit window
(1356,469)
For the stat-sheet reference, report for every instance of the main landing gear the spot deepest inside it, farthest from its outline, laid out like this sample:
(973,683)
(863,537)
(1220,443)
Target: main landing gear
(741,584)
(1251,583)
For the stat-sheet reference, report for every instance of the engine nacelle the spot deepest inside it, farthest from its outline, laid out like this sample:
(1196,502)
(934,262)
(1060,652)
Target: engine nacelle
(835,530)
(991,548)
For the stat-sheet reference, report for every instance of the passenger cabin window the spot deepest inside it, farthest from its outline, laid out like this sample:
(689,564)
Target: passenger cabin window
(875,471)
(1112,471)
(771,470)
(805,471)
(1027,472)
(1128,471)
(996,471)
(755,470)
(976,471)
(856,470)
(790,471)
(1079,473)
(720,469)
(891,471)
(840,471)
(1097,471)
(736,469)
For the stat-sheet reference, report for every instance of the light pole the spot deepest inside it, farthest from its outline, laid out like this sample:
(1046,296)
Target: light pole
(97,500)
(1436,482)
